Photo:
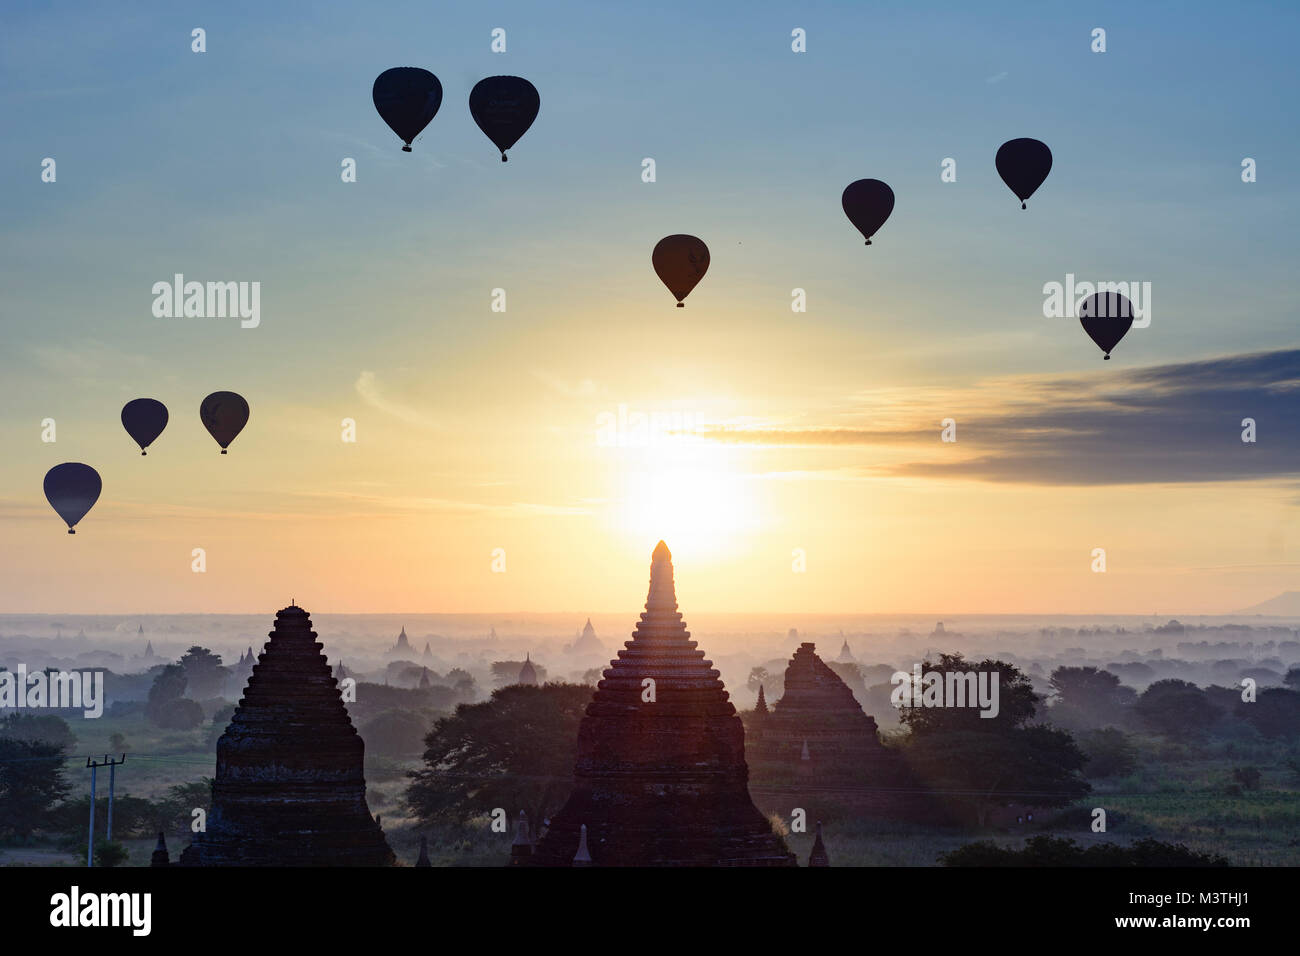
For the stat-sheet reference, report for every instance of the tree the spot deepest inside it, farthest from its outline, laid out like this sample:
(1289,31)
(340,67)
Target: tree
(31,783)
(758,677)
(1109,752)
(168,686)
(1177,708)
(1086,696)
(1292,678)
(1016,699)
(1275,712)
(110,854)
(395,733)
(977,772)
(38,728)
(515,750)
(204,673)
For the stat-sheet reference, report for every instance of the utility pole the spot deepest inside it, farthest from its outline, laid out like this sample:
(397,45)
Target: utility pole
(94,766)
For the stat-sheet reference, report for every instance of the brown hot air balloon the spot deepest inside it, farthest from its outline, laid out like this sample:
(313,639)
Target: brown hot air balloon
(680,262)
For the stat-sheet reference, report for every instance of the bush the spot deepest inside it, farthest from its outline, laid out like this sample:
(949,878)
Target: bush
(1248,777)
(396,732)
(110,854)
(1054,851)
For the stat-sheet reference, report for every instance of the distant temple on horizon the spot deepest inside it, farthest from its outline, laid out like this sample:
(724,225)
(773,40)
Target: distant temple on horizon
(403,646)
(289,787)
(527,673)
(660,777)
(586,644)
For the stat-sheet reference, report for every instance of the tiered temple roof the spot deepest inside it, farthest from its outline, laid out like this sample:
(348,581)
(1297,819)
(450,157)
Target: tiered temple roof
(660,778)
(289,788)
(819,716)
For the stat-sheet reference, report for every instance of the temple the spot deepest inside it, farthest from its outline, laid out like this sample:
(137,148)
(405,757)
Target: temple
(817,727)
(527,673)
(289,787)
(402,647)
(660,777)
(586,644)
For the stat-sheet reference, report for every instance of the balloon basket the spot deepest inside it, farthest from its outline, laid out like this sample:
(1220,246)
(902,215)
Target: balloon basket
(1107,357)
(503,157)
(406,149)
(72,531)
(143,453)
(681,305)
(223,451)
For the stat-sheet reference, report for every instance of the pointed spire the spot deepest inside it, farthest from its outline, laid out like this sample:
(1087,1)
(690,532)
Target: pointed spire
(160,856)
(522,848)
(761,706)
(583,856)
(804,754)
(423,858)
(818,855)
(663,593)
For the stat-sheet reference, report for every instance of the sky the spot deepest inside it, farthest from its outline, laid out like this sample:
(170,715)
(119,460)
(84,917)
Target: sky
(796,463)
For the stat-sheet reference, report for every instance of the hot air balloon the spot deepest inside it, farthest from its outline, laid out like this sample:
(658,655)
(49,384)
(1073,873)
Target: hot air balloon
(144,420)
(72,490)
(224,415)
(680,262)
(504,107)
(407,98)
(867,203)
(1106,317)
(1023,164)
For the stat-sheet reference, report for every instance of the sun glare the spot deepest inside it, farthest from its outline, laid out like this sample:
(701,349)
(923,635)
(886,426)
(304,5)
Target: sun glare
(697,502)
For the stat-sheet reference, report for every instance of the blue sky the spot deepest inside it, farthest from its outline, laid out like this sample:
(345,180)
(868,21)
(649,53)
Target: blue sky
(225,165)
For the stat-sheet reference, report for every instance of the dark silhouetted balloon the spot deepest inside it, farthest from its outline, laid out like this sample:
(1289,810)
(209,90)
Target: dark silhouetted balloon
(1106,317)
(867,203)
(1023,164)
(407,98)
(504,107)
(680,262)
(144,420)
(224,415)
(72,490)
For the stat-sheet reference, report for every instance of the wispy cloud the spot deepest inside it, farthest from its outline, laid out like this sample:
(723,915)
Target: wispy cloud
(368,388)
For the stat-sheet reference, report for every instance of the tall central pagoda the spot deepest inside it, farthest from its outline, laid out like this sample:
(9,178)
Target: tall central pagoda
(660,778)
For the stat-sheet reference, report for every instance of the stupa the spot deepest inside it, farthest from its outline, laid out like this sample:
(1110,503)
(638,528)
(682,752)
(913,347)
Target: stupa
(660,777)
(289,787)
(817,719)
(586,644)
(527,673)
(402,647)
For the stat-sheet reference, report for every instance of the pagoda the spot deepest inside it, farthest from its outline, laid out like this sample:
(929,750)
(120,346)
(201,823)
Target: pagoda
(660,777)
(527,672)
(587,644)
(817,725)
(289,787)
(402,647)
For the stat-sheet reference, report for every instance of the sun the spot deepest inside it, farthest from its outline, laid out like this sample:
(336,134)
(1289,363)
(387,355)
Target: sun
(693,498)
